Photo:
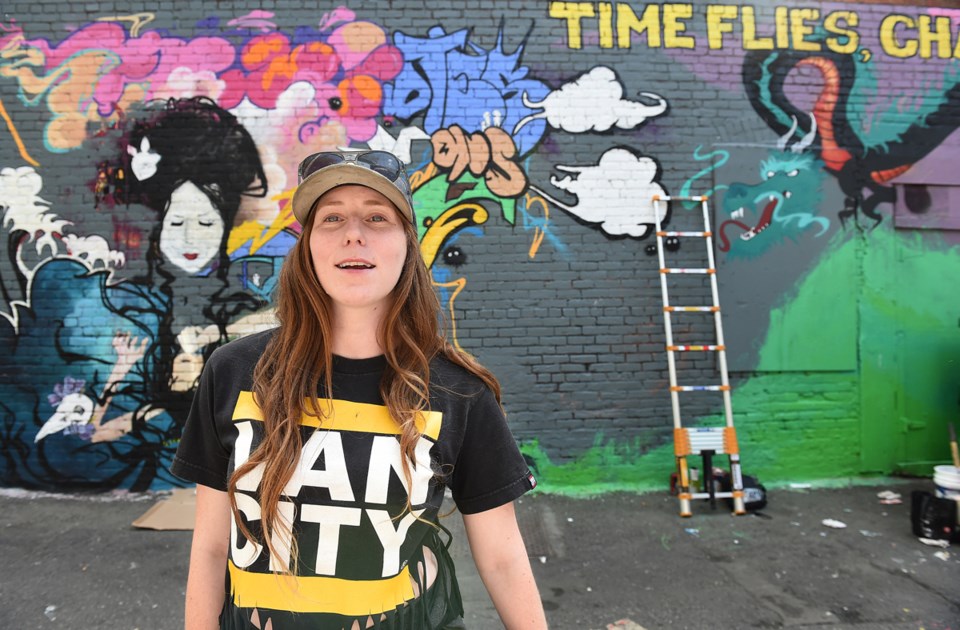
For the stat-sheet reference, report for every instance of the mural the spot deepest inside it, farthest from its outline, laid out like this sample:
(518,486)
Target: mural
(123,322)
(598,203)
(789,187)
(146,171)
(862,152)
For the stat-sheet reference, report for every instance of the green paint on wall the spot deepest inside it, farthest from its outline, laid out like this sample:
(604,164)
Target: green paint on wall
(910,349)
(821,426)
(814,327)
(793,426)
(604,467)
(433,198)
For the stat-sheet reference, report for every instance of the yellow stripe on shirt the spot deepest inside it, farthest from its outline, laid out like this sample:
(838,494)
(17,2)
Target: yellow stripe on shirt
(319,594)
(346,416)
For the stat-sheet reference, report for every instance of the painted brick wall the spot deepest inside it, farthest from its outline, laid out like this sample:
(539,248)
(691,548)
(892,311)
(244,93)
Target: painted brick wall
(148,155)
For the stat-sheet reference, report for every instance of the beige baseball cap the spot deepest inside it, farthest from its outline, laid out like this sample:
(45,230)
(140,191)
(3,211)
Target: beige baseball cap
(379,170)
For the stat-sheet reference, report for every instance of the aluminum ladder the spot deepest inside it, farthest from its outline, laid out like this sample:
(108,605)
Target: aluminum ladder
(703,441)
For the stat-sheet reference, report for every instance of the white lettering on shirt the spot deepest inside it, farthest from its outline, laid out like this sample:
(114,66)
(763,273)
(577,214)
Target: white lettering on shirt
(384,457)
(282,537)
(330,518)
(384,464)
(244,556)
(334,477)
(390,538)
(242,447)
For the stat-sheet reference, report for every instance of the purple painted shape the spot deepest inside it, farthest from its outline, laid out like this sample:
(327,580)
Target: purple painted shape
(928,195)
(927,207)
(938,167)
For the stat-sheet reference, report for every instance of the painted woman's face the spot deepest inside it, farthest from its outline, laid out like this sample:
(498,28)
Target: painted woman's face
(192,229)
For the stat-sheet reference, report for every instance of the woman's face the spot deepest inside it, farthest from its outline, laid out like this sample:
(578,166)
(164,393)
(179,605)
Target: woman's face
(358,247)
(192,229)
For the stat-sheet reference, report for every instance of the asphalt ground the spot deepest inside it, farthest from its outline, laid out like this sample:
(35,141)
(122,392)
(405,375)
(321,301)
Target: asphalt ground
(623,561)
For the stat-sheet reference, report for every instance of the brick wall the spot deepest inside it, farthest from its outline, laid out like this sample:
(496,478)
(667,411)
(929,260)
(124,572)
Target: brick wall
(144,226)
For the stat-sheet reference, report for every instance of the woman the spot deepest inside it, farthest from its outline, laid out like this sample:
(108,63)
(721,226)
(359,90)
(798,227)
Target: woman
(322,449)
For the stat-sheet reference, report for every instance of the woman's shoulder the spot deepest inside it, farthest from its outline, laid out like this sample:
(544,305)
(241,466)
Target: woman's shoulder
(447,375)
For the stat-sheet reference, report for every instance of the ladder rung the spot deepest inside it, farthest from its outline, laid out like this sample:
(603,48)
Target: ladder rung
(702,234)
(696,440)
(700,388)
(687,270)
(695,348)
(706,495)
(692,309)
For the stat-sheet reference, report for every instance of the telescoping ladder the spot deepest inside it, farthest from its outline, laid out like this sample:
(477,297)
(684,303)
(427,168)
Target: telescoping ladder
(703,441)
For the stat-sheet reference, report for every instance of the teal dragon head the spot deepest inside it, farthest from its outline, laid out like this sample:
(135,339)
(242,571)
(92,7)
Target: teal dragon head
(757,217)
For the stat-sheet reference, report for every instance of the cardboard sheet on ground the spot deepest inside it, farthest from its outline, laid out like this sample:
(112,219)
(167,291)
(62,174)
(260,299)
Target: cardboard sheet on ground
(174,512)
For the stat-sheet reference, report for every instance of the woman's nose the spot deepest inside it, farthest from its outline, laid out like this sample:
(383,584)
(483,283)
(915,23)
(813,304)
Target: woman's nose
(354,232)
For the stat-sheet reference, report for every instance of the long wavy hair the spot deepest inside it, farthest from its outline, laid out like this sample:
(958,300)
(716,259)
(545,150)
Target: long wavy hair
(299,357)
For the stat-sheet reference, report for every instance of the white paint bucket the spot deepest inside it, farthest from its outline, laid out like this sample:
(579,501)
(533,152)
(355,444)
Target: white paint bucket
(946,478)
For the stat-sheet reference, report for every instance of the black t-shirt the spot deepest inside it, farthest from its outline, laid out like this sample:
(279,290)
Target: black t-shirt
(361,555)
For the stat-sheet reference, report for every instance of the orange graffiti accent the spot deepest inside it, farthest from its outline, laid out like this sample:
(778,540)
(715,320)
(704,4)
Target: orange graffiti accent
(833,155)
(272,51)
(360,96)
(490,154)
(538,235)
(16,136)
(421,177)
(539,231)
(262,51)
(269,60)
(882,177)
(457,286)
(318,56)
(368,87)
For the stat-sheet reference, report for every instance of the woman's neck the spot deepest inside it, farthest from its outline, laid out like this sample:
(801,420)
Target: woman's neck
(356,334)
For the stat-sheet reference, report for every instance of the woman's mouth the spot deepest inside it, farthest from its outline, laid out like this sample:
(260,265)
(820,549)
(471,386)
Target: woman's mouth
(191,256)
(355,264)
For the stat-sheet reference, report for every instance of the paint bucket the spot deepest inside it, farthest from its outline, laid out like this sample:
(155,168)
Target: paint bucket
(946,478)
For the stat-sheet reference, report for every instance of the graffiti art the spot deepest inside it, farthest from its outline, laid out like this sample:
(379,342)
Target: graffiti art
(147,165)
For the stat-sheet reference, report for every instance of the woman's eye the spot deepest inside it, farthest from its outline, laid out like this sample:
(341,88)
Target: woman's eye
(206,223)
(331,218)
(176,223)
(378,218)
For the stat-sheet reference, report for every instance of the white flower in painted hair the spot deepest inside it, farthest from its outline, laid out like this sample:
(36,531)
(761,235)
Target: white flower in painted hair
(144,162)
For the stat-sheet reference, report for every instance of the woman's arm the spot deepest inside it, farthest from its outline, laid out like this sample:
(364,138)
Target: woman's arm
(504,567)
(208,560)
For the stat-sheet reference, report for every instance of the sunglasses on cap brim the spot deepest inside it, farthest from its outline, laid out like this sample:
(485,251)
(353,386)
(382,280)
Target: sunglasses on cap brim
(382,162)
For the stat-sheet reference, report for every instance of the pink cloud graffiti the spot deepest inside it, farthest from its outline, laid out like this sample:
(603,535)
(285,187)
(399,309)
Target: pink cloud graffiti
(101,69)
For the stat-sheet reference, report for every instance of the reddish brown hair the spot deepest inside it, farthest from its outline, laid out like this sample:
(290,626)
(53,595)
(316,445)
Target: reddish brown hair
(299,358)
